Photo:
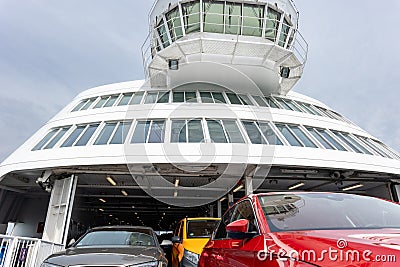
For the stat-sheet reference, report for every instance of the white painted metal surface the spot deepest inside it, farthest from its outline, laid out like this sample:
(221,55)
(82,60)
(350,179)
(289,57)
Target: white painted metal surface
(26,159)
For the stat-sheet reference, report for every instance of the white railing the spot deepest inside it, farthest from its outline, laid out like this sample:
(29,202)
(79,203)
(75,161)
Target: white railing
(25,252)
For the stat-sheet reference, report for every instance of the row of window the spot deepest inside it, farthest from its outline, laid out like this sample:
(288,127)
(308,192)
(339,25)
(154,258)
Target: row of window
(153,97)
(224,17)
(212,130)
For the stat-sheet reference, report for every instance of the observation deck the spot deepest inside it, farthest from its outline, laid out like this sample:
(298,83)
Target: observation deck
(256,43)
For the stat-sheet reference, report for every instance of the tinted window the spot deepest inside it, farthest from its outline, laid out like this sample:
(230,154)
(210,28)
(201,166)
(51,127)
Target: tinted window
(57,138)
(253,133)
(74,135)
(105,133)
(121,133)
(87,134)
(125,99)
(245,211)
(220,232)
(45,139)
(141,132)
(200,228)
(216,131)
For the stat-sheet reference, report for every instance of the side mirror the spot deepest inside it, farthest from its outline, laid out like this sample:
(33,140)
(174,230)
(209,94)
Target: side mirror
(71,242)
(176,239)
(239,230)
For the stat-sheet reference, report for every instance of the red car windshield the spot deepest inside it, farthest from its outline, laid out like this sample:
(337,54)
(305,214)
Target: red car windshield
(324,211)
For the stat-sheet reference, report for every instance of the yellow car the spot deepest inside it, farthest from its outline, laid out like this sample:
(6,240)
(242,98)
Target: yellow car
(192,234)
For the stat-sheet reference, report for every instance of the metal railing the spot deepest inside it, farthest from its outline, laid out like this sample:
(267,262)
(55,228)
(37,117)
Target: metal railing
(24,251)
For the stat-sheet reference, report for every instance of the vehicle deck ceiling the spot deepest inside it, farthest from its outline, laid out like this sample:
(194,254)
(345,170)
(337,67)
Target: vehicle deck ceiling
(138,208)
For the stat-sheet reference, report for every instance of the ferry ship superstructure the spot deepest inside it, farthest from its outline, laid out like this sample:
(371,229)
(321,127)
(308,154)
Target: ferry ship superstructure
(214,119)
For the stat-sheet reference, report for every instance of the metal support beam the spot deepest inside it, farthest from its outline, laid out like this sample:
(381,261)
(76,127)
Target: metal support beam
(230,199)
(249,185)
(219,209)
(211,211)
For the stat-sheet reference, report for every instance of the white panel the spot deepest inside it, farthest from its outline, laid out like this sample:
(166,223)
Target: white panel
(59,211)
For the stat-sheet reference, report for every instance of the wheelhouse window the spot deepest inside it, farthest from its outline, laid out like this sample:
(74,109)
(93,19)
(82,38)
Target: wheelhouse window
(191,16)
(187,131)
(162,33)
(272,24)
(213,16)
(253,17)
(149,132)
(284,33)
(70,141)
(233,18)
(174,24)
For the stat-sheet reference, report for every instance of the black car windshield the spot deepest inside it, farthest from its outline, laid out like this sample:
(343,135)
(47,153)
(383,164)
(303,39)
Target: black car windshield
(325,211)
(200,228)
(115,237)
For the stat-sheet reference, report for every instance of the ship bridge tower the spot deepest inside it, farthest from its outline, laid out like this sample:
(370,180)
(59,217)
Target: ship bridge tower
(256,41)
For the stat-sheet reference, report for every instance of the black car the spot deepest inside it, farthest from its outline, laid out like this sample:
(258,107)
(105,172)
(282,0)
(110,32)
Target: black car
(117,246)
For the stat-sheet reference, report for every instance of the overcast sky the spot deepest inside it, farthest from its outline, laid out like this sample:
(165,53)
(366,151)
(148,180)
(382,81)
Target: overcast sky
(52,50)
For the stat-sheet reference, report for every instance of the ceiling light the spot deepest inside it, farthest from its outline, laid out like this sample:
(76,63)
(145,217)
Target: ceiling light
(102,200)
(238,188)
(111,181)
(177,182)
(176,193)
(222,199)
(296,185)
(110,215)
(101,210)
(124,192)
(351,187)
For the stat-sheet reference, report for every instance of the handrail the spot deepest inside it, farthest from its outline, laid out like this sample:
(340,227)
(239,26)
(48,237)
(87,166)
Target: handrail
(25,251)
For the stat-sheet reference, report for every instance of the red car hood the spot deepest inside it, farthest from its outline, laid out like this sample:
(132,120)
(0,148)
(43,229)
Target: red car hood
(377,247)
